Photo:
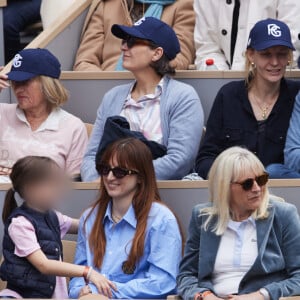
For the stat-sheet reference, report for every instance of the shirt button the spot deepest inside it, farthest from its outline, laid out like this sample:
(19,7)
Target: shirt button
(281,138)
(227,136)
(228,1)
(51,287)
(56,249)
(110,252)
(224,31)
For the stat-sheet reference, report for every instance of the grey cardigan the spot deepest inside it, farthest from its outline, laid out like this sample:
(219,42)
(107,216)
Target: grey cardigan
(181,121)
(276,268)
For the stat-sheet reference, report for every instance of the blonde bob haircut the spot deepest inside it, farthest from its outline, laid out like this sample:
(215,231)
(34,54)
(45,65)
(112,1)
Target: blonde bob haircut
(53,90)
(230,166)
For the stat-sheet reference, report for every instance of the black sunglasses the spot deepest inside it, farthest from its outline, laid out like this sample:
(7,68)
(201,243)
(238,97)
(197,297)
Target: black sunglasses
(133,41)
(118,172)
(248,183)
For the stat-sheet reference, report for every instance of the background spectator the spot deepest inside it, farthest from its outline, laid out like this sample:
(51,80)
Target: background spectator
(17,15)
(36,125)
(291,166)
(244,243)
(254,113)
(166,111)
(222,28)
(99,50)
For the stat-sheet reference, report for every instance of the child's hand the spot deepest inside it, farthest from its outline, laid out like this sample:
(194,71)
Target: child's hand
(103,285)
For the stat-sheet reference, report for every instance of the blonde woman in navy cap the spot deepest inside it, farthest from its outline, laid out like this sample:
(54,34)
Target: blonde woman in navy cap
(37,125)
(164,110)
(255,112)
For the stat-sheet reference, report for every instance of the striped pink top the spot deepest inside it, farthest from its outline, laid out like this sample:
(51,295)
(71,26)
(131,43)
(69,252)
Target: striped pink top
(143,115)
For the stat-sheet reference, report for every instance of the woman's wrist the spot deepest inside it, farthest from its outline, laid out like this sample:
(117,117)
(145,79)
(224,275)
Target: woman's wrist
(87,272)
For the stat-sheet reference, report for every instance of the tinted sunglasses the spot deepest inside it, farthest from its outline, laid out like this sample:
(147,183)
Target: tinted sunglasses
(133,41)
(248,183)
(118,172)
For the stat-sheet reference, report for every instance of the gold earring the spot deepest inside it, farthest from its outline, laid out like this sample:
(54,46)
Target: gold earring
(289,63)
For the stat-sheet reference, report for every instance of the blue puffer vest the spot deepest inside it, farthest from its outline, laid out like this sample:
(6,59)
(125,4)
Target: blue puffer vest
(20,275)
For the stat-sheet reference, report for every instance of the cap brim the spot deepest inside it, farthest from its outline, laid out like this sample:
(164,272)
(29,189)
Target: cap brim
(268,44)
(20,76)
(122,32)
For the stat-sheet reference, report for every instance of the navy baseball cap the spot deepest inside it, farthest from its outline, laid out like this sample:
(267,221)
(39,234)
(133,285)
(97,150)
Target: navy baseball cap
(269,33)
(30,63)
(151,29)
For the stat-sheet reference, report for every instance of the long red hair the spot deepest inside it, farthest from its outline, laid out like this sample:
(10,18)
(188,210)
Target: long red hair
(134,155)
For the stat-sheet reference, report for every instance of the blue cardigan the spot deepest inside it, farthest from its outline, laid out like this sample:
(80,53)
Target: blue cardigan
(276,268)
(181,122)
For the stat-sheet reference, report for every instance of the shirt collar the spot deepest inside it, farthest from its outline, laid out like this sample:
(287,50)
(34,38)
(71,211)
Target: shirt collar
(129,217)
(51,123)
(155,96)
(236,225)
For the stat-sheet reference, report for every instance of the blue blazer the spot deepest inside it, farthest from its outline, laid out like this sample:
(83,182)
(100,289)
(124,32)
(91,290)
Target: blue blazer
(276,268)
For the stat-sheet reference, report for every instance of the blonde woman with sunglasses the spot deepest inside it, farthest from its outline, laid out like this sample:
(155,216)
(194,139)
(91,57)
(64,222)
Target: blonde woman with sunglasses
(245,243)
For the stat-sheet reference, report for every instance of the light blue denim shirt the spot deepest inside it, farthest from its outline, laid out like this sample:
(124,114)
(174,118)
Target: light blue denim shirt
(155,274)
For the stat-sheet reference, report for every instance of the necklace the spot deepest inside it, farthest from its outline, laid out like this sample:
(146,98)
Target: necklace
(264,110)
(115,218)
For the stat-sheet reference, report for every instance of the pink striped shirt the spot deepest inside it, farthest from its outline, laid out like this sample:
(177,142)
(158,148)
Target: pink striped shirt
(143,115)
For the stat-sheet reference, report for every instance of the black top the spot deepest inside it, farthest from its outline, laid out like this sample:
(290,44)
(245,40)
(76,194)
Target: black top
(232,123)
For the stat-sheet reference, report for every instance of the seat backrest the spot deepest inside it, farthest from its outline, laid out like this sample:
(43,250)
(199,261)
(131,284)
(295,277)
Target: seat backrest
(69,251)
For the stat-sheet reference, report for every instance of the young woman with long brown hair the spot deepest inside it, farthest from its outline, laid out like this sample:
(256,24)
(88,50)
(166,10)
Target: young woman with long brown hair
(129,235)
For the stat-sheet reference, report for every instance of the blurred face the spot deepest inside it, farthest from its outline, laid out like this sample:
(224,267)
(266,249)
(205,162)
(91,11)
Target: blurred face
(247,193)
(46,195)
(116,187)
(270,63)
(138,55)
(29,94)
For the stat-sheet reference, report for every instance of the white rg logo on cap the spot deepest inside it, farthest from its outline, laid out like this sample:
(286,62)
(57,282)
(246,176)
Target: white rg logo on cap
(139,22)
(274,30)
(17,61)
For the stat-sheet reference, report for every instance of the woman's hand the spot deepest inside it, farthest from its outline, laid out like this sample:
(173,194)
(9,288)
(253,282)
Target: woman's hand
(103,285)
(252,296)
(86,290)
(3,81)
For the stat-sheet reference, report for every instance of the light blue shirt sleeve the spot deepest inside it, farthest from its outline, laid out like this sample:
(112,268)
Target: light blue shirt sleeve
(292,145)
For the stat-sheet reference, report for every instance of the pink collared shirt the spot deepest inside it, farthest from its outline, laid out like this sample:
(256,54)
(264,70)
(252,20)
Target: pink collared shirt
(62,136)
(143,115)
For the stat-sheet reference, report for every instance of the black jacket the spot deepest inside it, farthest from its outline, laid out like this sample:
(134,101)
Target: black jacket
(20,275)
(232,123)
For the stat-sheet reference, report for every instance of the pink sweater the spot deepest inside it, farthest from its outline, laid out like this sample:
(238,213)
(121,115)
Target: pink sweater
(63,137)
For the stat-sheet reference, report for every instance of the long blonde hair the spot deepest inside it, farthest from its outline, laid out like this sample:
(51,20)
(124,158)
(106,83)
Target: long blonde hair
(229,166)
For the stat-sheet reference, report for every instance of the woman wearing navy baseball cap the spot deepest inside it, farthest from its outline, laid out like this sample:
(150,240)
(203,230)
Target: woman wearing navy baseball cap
(36,125)
(164,110)
(255,112)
